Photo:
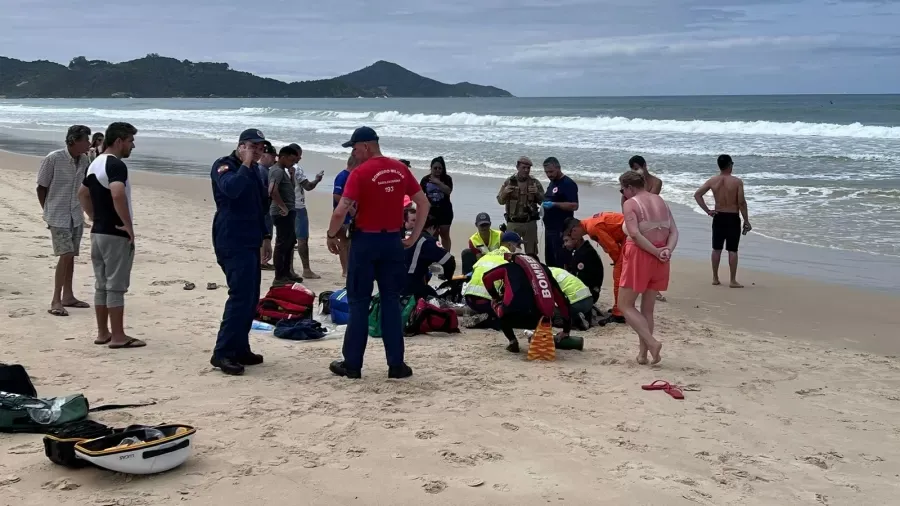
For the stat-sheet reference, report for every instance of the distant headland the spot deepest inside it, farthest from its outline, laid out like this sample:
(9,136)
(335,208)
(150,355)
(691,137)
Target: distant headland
(155,76)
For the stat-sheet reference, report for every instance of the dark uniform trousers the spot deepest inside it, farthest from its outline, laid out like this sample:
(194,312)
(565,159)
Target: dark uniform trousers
(554,252)
(285,238)
(374,257)
(241,268)
(237,233)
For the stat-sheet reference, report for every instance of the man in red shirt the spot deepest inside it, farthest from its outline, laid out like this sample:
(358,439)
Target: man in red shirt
(375,189)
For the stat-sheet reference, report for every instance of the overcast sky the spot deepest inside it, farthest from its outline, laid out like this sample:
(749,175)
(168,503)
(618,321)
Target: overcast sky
(529,47)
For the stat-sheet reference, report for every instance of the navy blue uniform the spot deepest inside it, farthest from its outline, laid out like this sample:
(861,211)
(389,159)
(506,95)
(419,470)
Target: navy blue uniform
(561,190)
(424,253)
(238,230)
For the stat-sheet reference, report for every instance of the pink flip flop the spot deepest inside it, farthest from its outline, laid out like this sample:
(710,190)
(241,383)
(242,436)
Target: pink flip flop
(675,392)
(656,385)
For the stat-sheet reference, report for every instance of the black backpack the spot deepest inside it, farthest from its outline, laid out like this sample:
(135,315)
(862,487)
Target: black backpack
(14,380)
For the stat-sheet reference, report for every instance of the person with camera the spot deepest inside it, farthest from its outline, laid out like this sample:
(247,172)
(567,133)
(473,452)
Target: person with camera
(522,195)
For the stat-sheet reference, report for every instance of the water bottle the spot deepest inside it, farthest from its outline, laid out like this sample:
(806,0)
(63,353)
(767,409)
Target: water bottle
(43,412)
(265,327)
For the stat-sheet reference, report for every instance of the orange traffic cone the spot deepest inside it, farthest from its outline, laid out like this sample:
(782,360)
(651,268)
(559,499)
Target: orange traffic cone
(542,346)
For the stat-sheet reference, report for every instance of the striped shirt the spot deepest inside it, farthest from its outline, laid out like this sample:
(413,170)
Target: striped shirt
(62,175)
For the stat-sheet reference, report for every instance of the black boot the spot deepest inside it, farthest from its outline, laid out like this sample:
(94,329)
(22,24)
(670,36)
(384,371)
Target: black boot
(399,371)
(513,346)
(228,366)
(339,368)
(249,358)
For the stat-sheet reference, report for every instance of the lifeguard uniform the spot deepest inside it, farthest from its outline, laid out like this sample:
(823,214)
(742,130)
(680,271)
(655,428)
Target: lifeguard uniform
(529,293)
(478,248)
(377,186)
(606,229)
(476,295)
(576,292)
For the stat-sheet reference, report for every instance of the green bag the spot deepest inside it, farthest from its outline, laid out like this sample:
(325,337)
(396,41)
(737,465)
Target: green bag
(407,305)
(21,413)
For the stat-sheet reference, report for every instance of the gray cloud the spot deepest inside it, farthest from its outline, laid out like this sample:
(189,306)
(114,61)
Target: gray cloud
(531,47)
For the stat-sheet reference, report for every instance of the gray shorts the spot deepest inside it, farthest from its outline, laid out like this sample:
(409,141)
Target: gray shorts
(112,257)
(66,240)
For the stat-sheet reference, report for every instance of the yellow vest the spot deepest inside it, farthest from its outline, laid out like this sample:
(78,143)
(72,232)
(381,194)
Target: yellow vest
(479,243)
(573,287)
(484,264)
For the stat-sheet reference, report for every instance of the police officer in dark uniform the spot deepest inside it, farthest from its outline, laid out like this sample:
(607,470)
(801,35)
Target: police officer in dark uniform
(239,229)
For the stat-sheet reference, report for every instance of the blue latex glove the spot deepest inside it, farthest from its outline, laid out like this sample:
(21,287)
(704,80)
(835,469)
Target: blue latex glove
(547,204)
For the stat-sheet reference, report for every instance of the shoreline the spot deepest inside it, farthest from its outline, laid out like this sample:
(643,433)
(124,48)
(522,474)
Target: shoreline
(865,271)
(770,302)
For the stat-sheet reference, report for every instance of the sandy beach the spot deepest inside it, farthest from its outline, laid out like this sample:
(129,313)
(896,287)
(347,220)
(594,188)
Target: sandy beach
(790,388)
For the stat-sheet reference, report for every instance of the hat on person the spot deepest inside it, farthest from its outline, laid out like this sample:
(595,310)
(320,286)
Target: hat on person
(406,201)
(361,134)
(405,162)
(511,237)
(482,219)
(268,148)
(251,135)
(524,160)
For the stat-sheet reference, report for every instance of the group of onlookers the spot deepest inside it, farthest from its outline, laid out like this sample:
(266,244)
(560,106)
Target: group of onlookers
(260,192)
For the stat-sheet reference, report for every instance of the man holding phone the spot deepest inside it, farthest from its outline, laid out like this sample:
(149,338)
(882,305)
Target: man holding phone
(303,185)
(238,230)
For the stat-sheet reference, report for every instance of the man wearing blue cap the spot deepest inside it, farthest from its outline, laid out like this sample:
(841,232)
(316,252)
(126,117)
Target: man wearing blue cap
(239,229)
(375,189)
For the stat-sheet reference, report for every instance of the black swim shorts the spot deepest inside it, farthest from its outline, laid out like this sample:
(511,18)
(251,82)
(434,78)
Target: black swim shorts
(726,231)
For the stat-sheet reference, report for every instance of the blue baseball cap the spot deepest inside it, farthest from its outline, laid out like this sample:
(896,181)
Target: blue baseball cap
(251,135)
(511,237)
(361,134)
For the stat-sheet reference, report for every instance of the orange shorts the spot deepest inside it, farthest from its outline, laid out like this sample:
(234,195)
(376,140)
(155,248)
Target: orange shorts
(642,271)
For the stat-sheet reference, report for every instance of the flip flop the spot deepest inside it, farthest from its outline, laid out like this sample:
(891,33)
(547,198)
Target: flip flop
(60,311)
(657,385)
(189,286)
(675,392)
(131,343)
(106,341)
(211,286)
(79,304)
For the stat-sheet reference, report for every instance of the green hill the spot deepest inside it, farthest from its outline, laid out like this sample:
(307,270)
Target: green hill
(155,76)
(395,81)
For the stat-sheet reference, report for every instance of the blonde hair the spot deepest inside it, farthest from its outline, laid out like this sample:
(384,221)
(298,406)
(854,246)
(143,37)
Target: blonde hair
(352,163)
(632,179)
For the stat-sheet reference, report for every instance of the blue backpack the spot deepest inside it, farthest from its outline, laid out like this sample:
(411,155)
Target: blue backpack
(339,307)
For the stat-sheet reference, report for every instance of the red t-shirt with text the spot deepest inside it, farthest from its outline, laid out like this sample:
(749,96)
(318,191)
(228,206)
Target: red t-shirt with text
(378,186)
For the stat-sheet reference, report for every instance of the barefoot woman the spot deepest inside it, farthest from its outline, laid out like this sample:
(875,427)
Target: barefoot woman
(652,236)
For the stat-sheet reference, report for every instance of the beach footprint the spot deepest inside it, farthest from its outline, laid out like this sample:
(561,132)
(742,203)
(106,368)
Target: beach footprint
(21,312)
(434,486)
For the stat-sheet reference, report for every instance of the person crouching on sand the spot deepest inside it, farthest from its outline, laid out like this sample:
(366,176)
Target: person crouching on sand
(652,236)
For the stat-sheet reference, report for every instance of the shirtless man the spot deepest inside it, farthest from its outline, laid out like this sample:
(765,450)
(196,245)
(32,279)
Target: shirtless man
(652,183)
(652,237)
(728,192)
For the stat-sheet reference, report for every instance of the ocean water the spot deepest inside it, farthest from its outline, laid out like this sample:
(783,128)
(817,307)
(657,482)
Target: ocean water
(818,170)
